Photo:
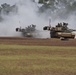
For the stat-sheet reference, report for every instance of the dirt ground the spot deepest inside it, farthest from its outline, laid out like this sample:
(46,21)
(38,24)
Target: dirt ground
(36,56)
(37,41)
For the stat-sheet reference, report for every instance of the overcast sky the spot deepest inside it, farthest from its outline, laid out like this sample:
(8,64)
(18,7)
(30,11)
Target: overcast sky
(8,1)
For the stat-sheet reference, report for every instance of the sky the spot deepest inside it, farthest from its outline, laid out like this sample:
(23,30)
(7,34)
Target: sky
(8,1)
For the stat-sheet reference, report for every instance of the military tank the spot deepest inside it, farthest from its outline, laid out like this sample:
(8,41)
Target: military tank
(27,31)
(61,31)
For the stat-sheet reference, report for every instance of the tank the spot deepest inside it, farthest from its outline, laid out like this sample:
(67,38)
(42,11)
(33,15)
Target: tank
(27,31)
(61,31)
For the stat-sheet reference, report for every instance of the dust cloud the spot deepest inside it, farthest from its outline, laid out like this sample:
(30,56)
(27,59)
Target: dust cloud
(28,14)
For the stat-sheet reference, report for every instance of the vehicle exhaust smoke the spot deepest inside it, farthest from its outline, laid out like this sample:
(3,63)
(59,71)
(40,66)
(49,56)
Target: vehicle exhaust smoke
(26,15)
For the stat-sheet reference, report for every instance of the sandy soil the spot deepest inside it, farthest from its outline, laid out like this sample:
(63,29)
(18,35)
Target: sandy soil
(37,41)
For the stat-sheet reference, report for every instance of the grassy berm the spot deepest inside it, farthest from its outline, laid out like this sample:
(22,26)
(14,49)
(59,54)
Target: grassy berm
(37,60)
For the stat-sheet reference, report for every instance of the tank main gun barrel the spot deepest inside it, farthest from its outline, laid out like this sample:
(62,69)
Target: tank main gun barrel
(72,30)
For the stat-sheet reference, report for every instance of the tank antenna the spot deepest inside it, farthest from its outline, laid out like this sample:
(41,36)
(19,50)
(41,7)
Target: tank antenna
(49,22)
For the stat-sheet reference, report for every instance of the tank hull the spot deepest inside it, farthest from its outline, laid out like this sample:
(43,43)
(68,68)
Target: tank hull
(61,34)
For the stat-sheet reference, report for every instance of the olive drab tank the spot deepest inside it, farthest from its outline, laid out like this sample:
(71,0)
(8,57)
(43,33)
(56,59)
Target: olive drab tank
(27,31)
(61,31)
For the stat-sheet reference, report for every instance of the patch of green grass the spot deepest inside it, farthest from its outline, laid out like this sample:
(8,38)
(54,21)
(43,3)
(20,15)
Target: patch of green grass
(37,60)
(35,47)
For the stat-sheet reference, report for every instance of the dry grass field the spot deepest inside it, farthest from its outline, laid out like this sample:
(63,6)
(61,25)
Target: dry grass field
(23,56)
